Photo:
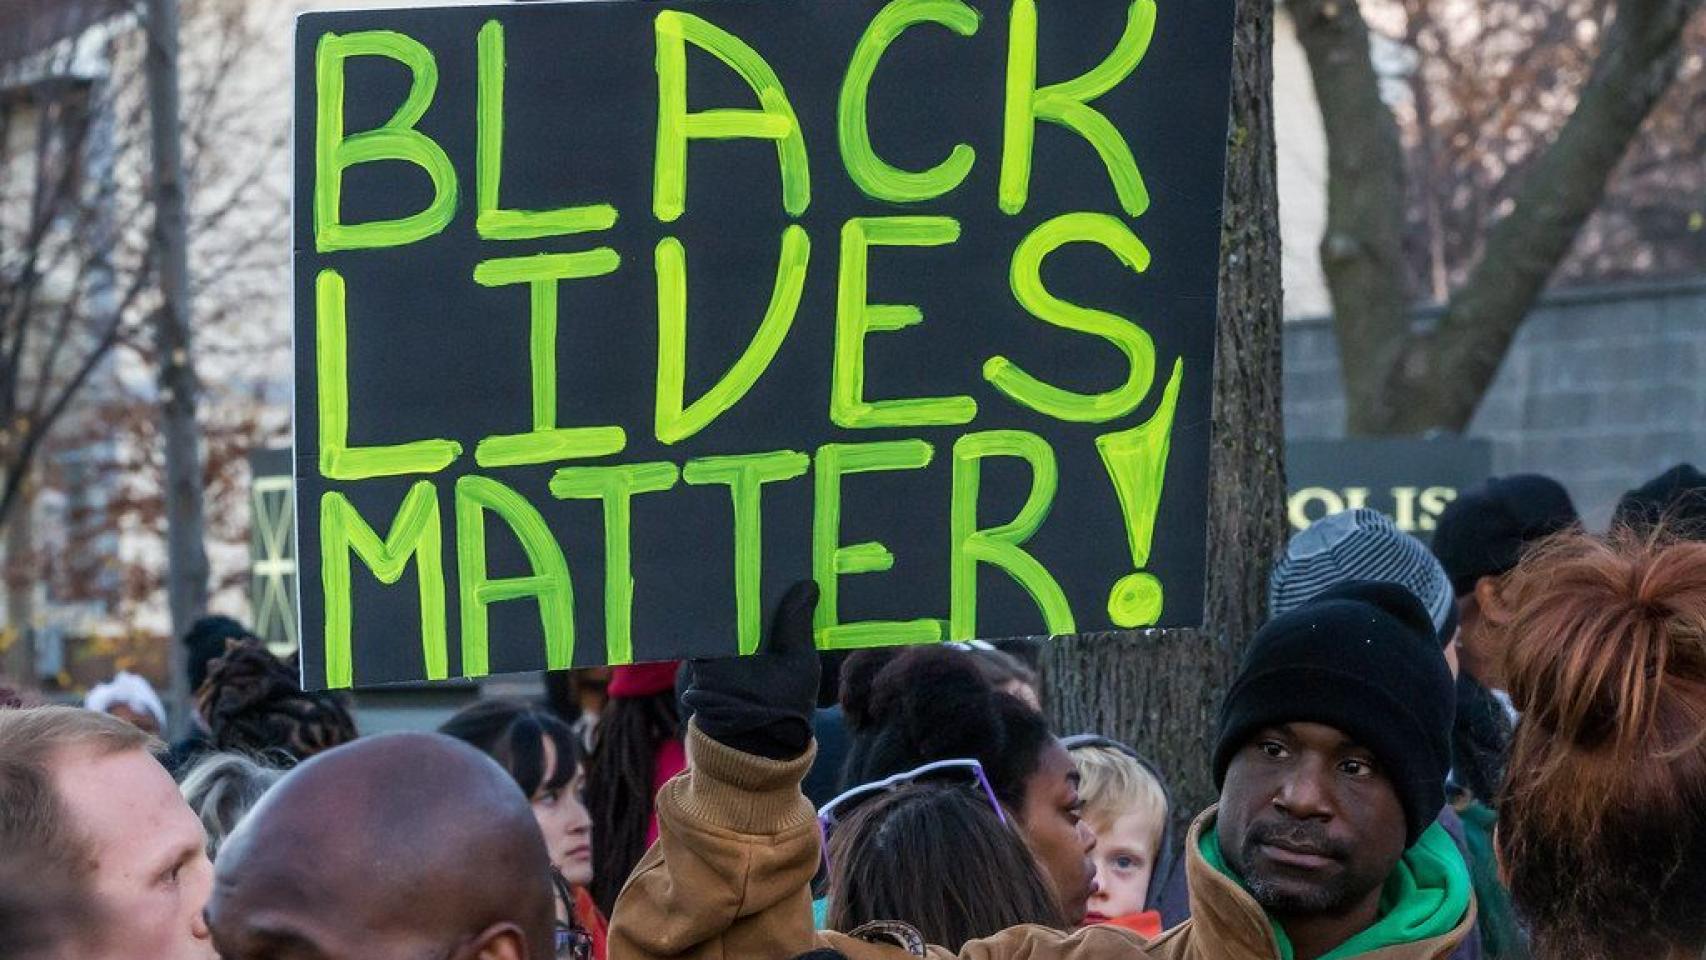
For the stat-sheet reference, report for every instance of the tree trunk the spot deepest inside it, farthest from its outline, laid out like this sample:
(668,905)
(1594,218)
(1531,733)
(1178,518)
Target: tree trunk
(18,568)
(1362,251)
(1160,690)
(1443,374)
(187,571)
(1401,380)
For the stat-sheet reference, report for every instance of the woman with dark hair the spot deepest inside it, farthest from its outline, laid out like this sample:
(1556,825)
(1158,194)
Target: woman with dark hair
(940,857)
(934,703)
(638,749)
(1602,822)
(542,753)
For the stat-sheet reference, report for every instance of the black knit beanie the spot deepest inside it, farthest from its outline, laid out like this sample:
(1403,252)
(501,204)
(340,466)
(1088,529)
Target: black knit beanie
(1362,658)
(1483,532)
(1675,499)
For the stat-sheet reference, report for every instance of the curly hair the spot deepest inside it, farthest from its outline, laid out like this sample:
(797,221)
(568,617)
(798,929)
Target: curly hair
(253,704)
(924,704)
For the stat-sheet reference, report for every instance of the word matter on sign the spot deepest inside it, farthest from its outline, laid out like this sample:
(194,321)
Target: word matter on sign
(693,300)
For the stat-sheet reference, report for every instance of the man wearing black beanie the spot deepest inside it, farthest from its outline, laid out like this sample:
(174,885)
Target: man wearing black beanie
(1334,744)
(1331,759)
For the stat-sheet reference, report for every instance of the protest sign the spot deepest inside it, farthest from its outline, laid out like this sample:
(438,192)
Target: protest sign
(1411,481)
(614,319)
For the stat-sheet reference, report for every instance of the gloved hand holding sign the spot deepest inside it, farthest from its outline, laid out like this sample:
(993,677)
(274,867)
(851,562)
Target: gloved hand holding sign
(761,704)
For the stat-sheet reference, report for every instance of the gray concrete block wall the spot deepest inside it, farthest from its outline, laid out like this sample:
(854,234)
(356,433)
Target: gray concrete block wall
(1602,389)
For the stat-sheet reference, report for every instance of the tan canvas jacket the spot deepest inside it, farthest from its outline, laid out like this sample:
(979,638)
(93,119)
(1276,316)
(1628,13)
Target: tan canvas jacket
(730,879)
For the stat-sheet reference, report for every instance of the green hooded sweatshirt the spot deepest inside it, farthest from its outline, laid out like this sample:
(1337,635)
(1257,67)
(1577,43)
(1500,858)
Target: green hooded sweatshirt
(1425,896)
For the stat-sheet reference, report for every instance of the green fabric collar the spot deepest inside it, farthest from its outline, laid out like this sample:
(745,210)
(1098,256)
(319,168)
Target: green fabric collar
(1425,897)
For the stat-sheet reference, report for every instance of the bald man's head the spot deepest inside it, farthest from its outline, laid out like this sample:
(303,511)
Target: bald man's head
(400,847)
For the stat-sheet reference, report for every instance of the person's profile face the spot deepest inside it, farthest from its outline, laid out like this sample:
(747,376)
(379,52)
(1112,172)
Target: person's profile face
(1470,643)
(151,874)
(1125,859)
(564,821)
(1309,820)
(1059,841)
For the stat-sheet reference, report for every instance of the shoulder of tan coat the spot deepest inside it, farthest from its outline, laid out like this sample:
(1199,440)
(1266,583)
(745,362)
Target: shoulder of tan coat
(1018,943)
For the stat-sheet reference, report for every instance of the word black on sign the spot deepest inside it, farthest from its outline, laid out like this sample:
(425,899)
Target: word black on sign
(614,319)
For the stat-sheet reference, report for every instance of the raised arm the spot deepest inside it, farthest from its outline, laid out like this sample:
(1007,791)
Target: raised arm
(730,876)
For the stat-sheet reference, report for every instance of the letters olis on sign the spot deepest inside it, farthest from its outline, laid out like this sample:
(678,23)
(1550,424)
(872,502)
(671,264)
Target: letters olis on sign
(613,319)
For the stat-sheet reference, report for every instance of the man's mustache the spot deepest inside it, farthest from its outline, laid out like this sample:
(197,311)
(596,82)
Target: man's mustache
(1310,838)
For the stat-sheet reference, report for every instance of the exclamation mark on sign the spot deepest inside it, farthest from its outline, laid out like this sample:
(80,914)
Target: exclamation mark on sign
(1137,461)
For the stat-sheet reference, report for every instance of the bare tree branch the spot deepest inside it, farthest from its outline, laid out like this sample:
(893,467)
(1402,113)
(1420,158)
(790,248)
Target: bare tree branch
(1404,380)
(1445,372)
(1362,251)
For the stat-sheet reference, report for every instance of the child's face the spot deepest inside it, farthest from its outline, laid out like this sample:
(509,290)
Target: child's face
(1125,857)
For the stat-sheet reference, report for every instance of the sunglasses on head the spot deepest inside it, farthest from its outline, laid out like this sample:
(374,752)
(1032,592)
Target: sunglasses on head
(964,770)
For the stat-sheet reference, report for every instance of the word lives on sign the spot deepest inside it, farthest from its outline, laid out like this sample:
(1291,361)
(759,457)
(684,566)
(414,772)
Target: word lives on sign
(615,319)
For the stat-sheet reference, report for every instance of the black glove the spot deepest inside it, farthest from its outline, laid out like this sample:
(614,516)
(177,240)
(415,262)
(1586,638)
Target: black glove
(761,704)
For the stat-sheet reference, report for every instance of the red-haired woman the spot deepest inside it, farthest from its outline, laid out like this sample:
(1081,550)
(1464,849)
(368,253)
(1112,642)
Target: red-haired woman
(1602,830)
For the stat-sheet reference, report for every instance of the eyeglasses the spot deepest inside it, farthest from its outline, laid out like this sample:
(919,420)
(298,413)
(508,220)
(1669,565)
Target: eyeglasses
(963,770)
(966,770)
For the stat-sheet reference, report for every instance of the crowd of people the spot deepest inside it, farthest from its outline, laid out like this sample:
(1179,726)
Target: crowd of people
(1491,748)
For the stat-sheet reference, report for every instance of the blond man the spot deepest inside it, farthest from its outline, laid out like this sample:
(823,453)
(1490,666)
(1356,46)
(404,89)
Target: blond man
(84,802)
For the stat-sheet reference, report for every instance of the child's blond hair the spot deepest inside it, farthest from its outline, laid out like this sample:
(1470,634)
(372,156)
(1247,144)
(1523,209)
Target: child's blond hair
(1113,784)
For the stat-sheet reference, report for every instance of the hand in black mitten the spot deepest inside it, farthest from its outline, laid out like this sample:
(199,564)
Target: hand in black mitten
(761,704)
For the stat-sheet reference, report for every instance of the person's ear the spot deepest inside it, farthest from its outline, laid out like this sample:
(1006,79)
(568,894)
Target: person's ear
(501,941)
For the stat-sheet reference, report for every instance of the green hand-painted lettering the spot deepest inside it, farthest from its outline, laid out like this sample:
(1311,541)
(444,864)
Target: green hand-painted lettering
(774,120)
(492,221)
(335,153)
(855,318)
(1001,546)
(1131,339)
(546,443)
(675,424)
(414,533)
(1068,104)
(745,477)
(831,560)
(868,171)
(616,487)
(1137,463)
(550,582)
(338,460)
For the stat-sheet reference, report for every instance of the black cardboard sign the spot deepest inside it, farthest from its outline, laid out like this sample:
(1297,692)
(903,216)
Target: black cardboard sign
(614,319)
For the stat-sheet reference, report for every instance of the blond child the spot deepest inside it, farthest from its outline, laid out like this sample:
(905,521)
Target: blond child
(1125,805)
